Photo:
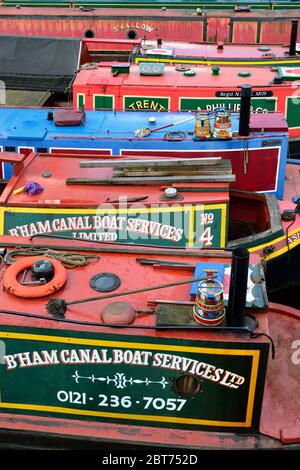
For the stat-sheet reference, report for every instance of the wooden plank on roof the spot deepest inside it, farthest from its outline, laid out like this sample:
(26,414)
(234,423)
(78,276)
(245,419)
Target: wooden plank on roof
(179,173)
(152,163)
(224,167)
(124,181)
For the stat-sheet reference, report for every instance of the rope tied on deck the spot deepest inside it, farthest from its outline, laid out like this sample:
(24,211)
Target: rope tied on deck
(69,260)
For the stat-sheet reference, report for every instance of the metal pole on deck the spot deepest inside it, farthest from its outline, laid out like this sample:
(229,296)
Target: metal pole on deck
(293,40)
(238,287)
(245,110)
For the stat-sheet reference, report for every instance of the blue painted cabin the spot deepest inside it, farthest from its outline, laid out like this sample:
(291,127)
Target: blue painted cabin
(258,160)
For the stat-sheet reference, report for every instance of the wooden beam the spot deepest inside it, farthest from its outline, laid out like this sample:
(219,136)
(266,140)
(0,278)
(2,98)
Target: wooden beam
(172,172)
(127,181)
(156,162)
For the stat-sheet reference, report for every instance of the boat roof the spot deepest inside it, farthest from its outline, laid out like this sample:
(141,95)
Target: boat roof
(203,50)
(279,422)
(124,262)
(140,13)
(57,193)
(228,77)
(30,123)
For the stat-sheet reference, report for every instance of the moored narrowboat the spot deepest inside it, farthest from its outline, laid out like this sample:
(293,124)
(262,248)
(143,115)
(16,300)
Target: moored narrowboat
(218,53)
(161,202)
(258,151)
(192,25)
(139,251)
(111,349)
(150,87)
(159,4)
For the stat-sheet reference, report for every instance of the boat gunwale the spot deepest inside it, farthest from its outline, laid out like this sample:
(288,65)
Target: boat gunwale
(275,230)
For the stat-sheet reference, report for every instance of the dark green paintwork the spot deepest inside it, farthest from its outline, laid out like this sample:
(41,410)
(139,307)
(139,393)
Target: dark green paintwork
(154,4)
(258,104)
(39,385)
(146,103)
(29,223)
(103,102)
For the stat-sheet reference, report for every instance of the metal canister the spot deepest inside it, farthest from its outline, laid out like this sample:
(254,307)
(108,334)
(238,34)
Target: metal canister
(222,125)
(209,309)
(202,125)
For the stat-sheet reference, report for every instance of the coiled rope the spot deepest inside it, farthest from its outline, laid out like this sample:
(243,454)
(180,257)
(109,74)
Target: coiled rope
(69,260)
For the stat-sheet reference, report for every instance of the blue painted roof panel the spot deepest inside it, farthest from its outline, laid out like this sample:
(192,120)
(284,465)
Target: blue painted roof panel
(32,123)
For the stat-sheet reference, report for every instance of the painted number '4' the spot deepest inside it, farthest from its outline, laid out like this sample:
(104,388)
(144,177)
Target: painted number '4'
(206,237)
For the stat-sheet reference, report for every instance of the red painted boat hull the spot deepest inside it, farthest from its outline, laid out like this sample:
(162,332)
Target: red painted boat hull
(184,25)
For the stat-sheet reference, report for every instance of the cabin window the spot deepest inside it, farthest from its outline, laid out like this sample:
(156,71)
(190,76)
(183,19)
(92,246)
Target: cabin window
(6,171)
(10,148)
(103,102)
(80,100)
(187,386)
(292,113)
(132,34)
(89,34)
(42,150)
(25,150)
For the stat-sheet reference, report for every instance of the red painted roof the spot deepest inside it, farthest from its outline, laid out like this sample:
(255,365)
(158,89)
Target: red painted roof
(259,121)
(280,408)
(147,13)
(121,260)
(172,78)
(184,49)
(57,193)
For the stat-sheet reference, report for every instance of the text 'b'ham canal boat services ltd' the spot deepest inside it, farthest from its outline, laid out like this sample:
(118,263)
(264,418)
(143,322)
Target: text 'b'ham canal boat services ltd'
(152,344)
(238,26)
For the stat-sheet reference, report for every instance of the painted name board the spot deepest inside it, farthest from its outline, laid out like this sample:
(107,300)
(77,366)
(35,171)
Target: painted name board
(146,103)
(174,226)
(237,94)
(258,105)
(132,380)
(133,26)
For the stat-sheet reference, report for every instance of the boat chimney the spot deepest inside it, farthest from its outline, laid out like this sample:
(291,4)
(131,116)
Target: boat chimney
(238,287)
(245,110)
(293,40)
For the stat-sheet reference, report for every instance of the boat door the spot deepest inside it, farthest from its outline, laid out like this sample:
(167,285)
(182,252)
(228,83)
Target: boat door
(216,29)
(271,31)
(243,31)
